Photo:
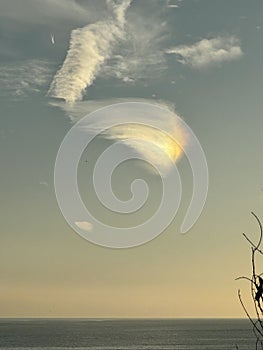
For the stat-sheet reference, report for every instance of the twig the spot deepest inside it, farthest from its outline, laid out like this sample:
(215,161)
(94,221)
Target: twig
(246,312)
(256,288)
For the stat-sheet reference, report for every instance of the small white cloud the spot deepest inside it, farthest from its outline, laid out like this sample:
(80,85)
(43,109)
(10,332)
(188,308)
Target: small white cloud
(84,225)
(173,6)
(208,52)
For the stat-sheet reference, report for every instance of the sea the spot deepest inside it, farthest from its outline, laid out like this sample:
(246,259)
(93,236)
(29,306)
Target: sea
(126,334)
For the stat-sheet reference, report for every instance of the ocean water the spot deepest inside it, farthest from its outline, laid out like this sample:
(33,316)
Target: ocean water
(104,334)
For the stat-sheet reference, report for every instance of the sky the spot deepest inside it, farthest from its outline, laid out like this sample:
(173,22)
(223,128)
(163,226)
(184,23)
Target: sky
(201,60)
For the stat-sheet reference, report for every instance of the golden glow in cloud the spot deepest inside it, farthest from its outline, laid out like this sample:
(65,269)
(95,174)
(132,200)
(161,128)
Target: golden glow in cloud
(143,138)
(152,143)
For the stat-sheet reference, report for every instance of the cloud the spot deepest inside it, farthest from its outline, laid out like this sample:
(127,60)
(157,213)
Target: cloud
(127,45)
(208,52)
(45,11)
(108,41)
(134,65)
(140,55)
(81,108)
(175,4)
(154,144)
(151,143)
(89,47)
(84,225)
(24,78)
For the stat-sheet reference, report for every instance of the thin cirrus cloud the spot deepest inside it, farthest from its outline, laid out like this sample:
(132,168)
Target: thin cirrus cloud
(44,11)
(173,4)
(21,79)
(138,137)
(208,52)
(123,45)
(152,143)
(79,109)
(108,41)
(140,55)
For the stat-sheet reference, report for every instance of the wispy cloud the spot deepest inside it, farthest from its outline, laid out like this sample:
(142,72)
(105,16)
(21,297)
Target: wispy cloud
(21,79)
(152,143)
(208,52)
(89,47)
(140,55)
(81,108)
(138,136)
(45,11)
(173,4)
(127,45)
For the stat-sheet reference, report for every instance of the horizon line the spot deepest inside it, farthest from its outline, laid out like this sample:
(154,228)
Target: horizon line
(121,318)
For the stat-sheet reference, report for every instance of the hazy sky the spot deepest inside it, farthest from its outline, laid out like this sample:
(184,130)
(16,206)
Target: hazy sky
(202,58)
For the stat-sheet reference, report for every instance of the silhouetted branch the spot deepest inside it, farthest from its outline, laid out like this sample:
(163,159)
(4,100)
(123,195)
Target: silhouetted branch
(260,227)
(247,313)
(243,277)
(256,288)
(252,244)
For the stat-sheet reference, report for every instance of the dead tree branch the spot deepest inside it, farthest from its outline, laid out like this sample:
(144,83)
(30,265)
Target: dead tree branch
(256,287)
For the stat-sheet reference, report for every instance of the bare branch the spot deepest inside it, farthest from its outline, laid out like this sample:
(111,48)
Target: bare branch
(260,227)
(256,288)
(252,244)
(246,312)
(243,277)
